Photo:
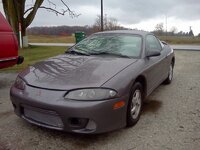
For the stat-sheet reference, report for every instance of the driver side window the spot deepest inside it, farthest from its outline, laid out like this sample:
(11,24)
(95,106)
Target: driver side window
(152,43)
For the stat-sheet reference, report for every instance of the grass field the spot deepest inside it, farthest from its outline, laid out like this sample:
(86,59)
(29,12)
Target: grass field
(180,40)
(50,39)
(71,39)
(34,54)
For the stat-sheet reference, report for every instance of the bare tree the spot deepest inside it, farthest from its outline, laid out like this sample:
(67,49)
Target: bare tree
(110,23)
(191,32)
(113,24)
(19,14)
(97,24)
(173,30)
(159,29)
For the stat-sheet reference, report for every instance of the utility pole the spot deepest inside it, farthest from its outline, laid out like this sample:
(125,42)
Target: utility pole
(166,25)
(101,15)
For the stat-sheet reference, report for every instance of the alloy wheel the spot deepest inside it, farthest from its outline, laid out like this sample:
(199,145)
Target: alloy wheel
(136,104)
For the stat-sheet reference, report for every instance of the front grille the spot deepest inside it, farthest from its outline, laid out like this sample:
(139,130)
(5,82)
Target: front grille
(41,116)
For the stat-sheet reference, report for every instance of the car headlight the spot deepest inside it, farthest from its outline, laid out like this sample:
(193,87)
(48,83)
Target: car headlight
(91,94)
(19,83)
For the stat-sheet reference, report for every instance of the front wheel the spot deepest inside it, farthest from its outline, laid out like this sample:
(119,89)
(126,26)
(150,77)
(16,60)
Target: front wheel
(135,104)
(170,75)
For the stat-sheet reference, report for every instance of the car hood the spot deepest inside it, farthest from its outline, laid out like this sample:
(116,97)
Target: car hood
(67,71)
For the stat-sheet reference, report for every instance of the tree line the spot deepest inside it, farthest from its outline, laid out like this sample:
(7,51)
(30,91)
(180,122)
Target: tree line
(159,30)
(59,30)
(110,23)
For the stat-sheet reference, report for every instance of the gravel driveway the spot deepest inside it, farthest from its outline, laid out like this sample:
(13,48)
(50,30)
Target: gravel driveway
(170,120)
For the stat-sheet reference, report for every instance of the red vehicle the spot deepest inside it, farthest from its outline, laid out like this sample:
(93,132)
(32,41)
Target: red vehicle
(8,45)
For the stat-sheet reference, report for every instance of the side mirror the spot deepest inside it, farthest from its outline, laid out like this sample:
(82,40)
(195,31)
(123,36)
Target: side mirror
(153,53)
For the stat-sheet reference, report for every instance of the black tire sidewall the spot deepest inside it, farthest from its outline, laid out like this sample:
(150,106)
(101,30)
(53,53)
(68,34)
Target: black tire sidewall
(168,80)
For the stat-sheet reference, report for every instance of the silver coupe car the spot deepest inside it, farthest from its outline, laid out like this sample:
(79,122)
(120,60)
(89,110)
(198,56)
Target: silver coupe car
(98,85)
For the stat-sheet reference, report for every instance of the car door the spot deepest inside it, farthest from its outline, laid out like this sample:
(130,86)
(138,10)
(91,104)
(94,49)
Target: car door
(156,65)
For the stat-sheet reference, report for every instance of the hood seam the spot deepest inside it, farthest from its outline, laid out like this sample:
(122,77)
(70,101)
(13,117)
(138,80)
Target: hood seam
(118,73)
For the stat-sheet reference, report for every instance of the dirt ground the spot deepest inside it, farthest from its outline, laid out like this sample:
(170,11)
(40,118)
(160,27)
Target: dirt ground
(170,120)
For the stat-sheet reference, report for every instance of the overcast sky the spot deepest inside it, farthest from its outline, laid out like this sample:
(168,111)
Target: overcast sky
(140,14)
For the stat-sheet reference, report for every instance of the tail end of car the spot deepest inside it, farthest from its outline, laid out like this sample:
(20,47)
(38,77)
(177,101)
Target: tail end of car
(8,45)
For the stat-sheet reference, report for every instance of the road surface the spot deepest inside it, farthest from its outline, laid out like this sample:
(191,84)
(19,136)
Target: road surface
(170,121)
(186,47)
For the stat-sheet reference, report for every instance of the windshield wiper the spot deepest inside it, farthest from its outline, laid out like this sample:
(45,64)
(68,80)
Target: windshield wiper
(77,52)
(107,53)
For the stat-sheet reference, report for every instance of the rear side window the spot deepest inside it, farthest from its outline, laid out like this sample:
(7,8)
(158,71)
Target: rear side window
(152,43)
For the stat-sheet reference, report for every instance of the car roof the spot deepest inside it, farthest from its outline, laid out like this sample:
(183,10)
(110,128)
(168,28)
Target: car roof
(137,32)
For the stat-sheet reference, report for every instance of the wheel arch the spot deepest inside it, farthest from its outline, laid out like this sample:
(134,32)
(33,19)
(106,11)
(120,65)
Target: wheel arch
(173,61)
(141,79)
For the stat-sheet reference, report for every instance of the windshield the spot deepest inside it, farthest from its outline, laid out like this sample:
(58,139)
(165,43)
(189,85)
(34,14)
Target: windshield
(111,44)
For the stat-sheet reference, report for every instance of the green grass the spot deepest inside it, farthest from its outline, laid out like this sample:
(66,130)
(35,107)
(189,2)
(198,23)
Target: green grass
(34,54)
(180,40)
(50,39)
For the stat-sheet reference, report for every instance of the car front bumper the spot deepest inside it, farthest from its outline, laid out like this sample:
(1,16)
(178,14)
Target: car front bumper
(49,108)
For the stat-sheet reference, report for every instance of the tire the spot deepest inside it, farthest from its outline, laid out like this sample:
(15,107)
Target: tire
(134,110)
(169,79)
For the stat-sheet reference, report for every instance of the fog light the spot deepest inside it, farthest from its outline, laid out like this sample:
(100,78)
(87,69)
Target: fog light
(118,105)
(78,122)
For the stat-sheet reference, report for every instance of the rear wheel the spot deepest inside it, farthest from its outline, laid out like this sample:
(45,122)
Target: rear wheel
(170,74)
(135,104)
